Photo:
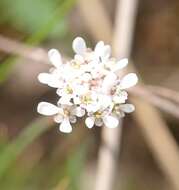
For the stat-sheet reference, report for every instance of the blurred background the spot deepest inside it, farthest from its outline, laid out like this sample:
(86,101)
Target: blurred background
(33,153)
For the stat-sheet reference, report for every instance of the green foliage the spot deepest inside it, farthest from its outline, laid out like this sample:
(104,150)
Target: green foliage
(39,19)
(25,15)
(5,68)
(75,165)
(15,148)
(44,173)
(55,19)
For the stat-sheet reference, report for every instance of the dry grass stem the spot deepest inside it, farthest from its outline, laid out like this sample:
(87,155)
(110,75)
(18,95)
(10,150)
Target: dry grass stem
(165,92)
(110,145)
(160,140)
(162,103)
(13,47)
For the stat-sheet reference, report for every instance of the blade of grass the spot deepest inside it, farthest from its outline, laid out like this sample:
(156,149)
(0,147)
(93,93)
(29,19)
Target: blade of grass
(39,36)
(59,14)
(75,165)
(25,138)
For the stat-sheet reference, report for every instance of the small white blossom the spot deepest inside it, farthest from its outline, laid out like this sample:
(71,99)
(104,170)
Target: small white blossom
(100,118)
(88,84)
(64,114)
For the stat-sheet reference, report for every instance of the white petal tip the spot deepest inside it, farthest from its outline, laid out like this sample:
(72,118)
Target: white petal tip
(127,108)
(121,64)
(79,112)
(47,109)
(129,80)
(65,126)
(43,78)
(55,57)
(89,122)
(79,45)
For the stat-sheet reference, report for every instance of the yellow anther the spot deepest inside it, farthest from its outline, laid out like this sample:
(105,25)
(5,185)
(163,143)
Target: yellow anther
(69,90)
(66,112)
(76,64)
(98,115)
(86,99)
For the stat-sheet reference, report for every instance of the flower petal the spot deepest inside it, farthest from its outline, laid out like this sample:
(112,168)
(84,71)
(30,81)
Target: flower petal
(104,100)
(120,64)
(65,126)
(120,97)
(106,52)
(50,79)
(79,112)
(86,77)
(89,121)
(127,108)
(54,82)
(128,81)
(65,100)
(72,119)
(92,107)
(102,51)
(79,58)
(108,82)
(80,89)
(47,109)
(111,121)
(44,78)
(98,47)
(55,57)
(98,122)
(76,100)
(58,118)
(79,45)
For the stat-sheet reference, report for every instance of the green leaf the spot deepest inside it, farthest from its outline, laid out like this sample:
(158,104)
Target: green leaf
(56,18)
(27,16)
(75,165)
(25,138)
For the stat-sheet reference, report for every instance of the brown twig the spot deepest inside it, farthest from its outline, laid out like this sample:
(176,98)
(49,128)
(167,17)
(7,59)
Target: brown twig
(111,138)
(162,103)
(13,47)
(93,12)
(152,125)
(164,92)
(107,157)
(159,139)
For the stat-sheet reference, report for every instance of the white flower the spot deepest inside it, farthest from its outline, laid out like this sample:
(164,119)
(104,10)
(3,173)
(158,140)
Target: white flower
(53,79)
(102,118)
(102,52)
(70,92)
(88,101)
(120,97)
(108,82)
(63,115)
(89,83)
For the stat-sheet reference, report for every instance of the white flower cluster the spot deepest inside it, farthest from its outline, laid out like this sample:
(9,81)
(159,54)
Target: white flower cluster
(87,85)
